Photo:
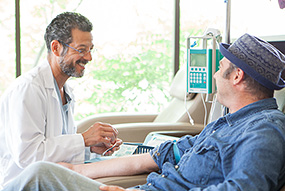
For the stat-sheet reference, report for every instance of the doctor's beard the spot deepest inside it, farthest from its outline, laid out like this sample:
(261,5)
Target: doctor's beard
(70,69)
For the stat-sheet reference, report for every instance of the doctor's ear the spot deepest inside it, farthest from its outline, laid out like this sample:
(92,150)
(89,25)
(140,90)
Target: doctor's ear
(55,47)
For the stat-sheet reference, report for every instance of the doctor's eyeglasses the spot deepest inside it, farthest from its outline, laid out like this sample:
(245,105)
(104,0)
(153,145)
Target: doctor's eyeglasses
(82,52)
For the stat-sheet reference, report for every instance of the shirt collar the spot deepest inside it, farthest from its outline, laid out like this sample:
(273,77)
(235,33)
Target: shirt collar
(269,103)
(66,92)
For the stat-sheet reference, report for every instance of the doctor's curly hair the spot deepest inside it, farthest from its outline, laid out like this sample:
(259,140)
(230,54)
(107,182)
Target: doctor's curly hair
(61,26)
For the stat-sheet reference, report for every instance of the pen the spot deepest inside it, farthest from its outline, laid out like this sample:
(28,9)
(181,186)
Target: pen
(104,153)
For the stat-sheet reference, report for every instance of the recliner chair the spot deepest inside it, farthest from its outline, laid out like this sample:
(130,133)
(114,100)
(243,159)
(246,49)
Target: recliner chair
(129,181)
(142,128)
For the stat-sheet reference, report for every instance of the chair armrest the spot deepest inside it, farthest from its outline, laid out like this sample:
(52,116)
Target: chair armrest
(175,129)
(174,133)
(137,132)
(114,118)
(124,181)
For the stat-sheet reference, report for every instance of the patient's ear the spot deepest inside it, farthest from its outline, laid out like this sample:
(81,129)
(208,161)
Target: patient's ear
(238,75)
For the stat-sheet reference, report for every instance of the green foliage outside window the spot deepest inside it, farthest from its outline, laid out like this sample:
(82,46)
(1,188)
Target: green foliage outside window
(130,84)
(134,79)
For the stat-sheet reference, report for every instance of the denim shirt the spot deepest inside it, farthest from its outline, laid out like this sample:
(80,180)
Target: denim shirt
(240,151)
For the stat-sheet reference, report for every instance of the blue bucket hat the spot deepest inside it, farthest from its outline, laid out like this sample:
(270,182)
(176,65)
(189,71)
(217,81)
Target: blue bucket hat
(257,58)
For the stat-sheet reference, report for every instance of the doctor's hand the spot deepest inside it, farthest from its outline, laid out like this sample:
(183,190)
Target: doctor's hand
(106,150)
(100,134)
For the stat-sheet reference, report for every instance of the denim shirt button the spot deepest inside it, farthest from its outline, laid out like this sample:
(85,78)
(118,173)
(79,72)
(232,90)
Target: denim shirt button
(158,154)
(176,167)
(149,184)
(163,176)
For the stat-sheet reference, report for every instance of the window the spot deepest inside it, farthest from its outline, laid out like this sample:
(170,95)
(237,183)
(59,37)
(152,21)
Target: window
(134,63)
(133,66)
(258,18)
(196,18)
(7,39)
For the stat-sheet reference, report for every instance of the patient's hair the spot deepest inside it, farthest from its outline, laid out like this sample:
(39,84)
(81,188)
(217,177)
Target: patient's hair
(252,86)
(61,26)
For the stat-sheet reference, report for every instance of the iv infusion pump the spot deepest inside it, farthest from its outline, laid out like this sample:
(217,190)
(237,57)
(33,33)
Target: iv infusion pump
(202,62)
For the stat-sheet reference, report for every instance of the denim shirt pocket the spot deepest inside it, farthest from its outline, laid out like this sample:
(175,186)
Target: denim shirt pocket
(200,163)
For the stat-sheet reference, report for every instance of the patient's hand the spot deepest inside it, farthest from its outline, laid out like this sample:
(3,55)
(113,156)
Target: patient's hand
(113,188)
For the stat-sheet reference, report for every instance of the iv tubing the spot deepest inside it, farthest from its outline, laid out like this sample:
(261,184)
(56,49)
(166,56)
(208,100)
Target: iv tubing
(185,104)
(204,104)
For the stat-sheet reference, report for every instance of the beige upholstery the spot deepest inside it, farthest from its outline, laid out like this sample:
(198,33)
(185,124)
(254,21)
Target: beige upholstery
(136,132)
(115,118)
(176,110)
(280,98)
(124,181)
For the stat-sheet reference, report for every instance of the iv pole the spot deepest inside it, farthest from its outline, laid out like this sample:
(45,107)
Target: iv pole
(228,22)
(227,34)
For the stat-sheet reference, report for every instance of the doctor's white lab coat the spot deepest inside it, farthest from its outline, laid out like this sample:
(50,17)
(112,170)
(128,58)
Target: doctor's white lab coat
(31,125)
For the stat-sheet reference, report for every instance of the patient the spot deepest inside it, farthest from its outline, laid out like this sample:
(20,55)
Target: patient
(243,150)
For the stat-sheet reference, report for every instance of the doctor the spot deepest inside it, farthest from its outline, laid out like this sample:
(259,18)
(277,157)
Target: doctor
(36,112)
